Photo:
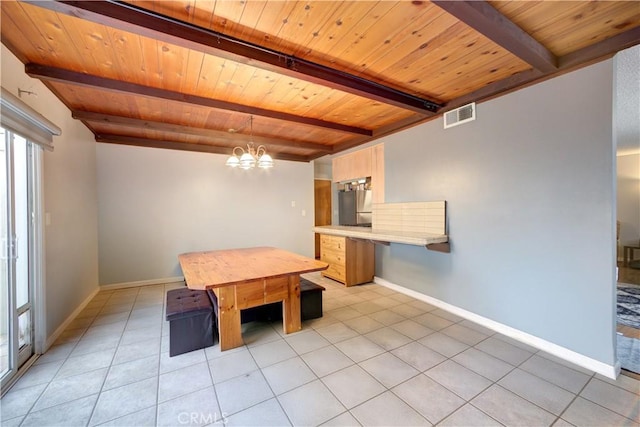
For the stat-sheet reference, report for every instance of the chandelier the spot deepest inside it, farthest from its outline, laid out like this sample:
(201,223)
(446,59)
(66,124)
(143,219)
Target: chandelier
(252,156)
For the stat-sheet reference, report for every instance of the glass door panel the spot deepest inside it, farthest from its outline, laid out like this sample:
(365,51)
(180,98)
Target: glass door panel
(22,226)
(24,330)
(5,317)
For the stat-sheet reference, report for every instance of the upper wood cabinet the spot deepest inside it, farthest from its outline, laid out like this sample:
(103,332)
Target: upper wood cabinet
(353,165)
(360,164)
(340,169)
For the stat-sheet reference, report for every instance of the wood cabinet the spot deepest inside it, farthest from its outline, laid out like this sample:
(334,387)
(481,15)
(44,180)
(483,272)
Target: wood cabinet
(352,166)
(351,261)
(360,164)
(340,169)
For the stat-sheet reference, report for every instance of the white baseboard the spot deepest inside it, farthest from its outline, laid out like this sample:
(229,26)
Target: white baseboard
(151,282)
(54,336)
(536,342)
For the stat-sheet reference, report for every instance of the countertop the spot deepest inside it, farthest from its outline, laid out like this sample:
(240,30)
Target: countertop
(419,239)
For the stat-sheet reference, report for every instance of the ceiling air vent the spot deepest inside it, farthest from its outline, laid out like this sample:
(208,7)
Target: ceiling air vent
(460,115)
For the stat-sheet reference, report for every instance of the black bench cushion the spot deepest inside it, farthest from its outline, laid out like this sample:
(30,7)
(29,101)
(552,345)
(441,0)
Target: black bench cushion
(186,302)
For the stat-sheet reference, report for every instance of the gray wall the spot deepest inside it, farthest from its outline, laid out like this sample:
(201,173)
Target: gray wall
(155,204)
(71,240)
(531,210)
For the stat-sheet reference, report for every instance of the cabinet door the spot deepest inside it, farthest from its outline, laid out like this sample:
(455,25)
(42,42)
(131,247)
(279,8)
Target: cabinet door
(340,169)
(361,163)
(352,166)
(333,243)
(333,250)
(377,173)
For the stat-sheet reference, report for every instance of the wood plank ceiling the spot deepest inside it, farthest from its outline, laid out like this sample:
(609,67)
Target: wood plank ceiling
(318,77)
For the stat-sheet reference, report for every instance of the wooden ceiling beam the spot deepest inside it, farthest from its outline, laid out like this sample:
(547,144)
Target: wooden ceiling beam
(183,146)
(603,49)
(380,132)
(215,135)
(485,19)
(147,23)
(580,58)
(47,73)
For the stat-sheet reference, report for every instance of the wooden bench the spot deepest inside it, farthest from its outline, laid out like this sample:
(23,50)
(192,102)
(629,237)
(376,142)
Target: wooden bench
(310,305)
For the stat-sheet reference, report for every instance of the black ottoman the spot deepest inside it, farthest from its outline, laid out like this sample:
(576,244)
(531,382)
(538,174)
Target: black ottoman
(191,321)
(310,300)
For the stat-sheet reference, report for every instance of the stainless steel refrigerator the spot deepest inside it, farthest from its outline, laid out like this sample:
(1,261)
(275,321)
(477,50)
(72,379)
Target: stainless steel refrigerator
(354,207)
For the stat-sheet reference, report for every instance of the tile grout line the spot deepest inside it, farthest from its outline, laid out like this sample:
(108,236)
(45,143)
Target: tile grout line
(265,380)
(576,397)
(67,357)
(345,322)
(389,352)
(95,405)
(162,319)
(48,383)
(275,396)
(593,377)
(478,349)
(458,322)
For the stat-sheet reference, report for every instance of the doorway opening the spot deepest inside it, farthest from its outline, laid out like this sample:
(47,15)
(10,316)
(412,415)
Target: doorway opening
(322,202)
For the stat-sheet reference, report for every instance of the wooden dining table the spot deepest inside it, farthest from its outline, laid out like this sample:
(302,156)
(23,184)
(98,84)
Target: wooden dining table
(245,278)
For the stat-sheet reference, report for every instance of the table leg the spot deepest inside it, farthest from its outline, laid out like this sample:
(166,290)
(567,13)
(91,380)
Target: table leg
(229,329)
(291,306)
(625,261)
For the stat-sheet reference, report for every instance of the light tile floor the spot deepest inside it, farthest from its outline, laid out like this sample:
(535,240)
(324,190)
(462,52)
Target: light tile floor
(376,357)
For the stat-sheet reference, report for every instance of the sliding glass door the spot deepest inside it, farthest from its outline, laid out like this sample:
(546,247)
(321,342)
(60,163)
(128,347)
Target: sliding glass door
(5,288)
(16,253)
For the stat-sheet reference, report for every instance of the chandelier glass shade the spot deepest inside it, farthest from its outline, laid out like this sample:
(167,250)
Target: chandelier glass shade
(252,156)
(249,158)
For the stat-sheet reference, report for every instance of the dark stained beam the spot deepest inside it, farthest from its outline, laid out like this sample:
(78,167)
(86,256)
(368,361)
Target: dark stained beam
(183,146)
(47,73)
(572,61)
(147,23)
(214,135)
(602,49)
(380,132)
(485,19)
(494,89)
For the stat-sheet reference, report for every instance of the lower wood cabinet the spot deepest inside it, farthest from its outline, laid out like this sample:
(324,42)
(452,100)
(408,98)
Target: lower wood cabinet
(351,261)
